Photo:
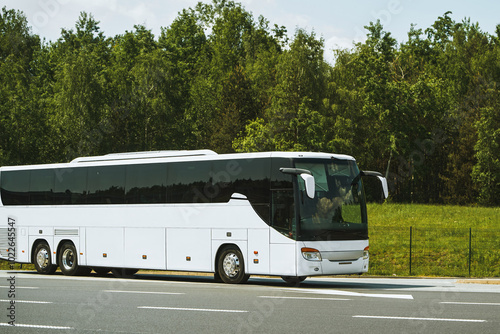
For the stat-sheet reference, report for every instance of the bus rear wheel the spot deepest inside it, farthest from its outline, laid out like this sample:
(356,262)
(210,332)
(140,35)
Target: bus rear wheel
(43,259)
(231,266)
(68,261)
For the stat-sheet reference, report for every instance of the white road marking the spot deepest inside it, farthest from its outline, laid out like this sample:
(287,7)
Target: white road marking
(349,293)
(25,301)
(468,303)
(306,298)
(143,279)
(413,318)
(35,326)
(192,309)
(20,287)
(150,292)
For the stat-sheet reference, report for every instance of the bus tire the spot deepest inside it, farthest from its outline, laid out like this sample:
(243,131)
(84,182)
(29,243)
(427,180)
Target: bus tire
(43,259)
(123,272)
(293,280)
(231,266)
(68,260)
(217,278)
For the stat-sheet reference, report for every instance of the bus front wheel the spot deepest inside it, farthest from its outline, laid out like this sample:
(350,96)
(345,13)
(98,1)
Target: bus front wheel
(43,260)
(231,266)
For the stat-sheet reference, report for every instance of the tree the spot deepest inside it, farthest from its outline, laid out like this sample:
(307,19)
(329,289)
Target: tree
(486,171)
(364,116)
(80,87)
(293,118)
(23,124)
(237,107)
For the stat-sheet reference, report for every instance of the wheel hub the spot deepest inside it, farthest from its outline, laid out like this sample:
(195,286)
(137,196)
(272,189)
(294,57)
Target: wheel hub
(231,265)
(42,258)
(68,259)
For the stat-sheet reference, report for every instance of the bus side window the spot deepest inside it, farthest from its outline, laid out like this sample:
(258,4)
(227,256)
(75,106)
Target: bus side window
(15,187)
(42,182)
(189,183)
(71,186)
(106,185)
(146,184)
(283,212)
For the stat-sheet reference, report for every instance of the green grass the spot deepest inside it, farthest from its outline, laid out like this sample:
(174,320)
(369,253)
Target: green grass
(445,216)
(439,243)
(5,265)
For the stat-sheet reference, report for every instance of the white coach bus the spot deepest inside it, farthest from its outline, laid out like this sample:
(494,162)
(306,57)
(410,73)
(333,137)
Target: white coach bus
(289,214)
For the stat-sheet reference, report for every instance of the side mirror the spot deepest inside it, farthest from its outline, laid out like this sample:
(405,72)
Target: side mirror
(381,178)
(306,176)
(385,187)
(309,183)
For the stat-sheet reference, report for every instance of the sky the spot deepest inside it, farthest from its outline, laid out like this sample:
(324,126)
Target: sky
(339,22)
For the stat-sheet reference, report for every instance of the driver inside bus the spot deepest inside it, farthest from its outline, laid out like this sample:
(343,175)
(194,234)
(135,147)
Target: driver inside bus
(330,209)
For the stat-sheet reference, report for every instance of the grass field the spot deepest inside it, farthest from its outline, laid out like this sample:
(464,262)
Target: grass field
(444,216)
(445,240)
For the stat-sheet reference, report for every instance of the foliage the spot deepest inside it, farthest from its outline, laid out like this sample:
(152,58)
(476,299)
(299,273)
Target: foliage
(425,111)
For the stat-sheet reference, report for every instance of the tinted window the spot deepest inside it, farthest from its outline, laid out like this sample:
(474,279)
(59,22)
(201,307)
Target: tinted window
(15,187)
(106,185)
(280,180)
(223,176)
(146,184)
(283,212)
(70,186)
(41,186)
(189,182)
(253,180)
(283,209)
(246,177)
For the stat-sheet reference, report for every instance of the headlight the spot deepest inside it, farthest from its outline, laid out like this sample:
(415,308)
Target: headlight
(311,254)
(366,254)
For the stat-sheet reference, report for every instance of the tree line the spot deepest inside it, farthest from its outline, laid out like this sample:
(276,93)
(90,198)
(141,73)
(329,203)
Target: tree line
(426,111)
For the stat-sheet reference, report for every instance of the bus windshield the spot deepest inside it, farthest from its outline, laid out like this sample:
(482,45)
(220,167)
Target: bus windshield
(338,209)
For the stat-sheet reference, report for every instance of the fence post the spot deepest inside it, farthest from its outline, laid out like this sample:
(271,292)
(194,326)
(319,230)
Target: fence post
(410,247)
(470,248)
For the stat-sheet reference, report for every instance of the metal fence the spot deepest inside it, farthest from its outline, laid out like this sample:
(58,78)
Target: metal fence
(427,251)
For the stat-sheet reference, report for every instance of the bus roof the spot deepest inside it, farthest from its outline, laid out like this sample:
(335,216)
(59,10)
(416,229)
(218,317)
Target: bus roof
(166,156)
(144,155)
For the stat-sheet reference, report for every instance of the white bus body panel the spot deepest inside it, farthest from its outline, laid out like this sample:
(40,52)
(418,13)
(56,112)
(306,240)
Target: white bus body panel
(283,255)
(149,237)
(258,257)
(189,249)
(145,248)
(105,246)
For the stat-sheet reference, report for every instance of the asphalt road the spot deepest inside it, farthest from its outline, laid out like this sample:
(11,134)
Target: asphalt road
(191,304)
